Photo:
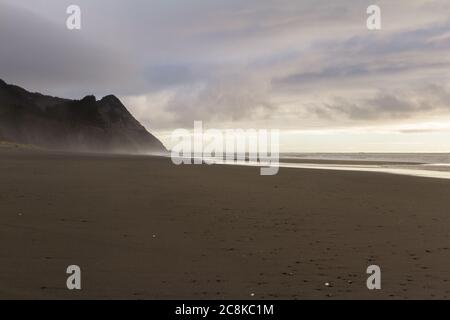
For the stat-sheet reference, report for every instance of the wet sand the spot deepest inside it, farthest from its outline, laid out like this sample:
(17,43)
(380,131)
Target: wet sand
(142,228)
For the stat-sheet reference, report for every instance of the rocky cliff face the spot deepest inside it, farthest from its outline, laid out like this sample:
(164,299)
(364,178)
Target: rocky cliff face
(87,125)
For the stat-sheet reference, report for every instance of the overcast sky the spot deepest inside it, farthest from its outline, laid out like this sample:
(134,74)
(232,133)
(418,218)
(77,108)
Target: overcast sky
(307,67)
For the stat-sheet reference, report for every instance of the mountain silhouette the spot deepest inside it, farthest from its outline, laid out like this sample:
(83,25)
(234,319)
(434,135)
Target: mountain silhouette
(86,125)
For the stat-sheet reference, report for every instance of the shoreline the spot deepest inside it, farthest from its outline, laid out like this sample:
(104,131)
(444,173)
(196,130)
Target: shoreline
(414,169)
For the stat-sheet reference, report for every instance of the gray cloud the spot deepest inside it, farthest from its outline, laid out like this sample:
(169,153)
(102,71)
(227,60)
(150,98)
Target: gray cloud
(225,100)
(375,56)
(280,62)
(46,57)
(387,106)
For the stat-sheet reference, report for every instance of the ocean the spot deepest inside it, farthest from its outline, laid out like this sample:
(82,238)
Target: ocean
(418,158)
(430,165)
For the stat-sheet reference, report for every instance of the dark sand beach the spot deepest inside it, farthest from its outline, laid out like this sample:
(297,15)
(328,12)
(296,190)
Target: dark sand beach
(142,228)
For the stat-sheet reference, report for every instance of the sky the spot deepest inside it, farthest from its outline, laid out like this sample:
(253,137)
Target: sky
(309,68)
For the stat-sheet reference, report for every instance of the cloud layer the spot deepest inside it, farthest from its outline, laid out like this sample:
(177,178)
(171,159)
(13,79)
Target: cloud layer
(284,64)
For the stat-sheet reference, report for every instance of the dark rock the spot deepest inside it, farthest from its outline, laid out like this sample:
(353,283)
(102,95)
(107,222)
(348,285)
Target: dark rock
(87,125)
